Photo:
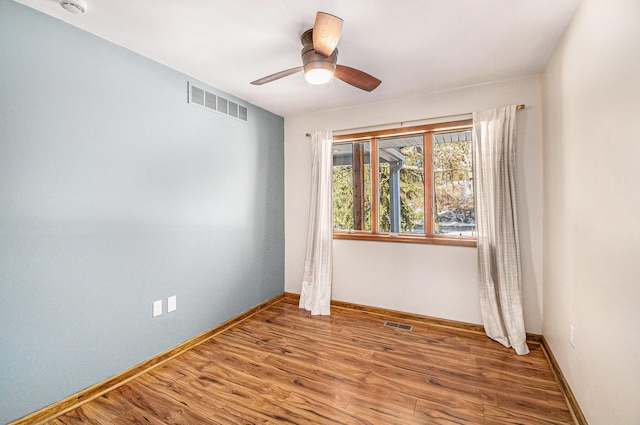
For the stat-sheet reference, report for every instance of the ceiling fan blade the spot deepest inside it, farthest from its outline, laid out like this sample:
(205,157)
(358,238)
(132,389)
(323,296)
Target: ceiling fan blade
(277,76)
(326,33)
(356,78)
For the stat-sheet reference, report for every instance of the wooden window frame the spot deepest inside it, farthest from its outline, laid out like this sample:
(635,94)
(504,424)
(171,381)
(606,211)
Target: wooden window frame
(428,237)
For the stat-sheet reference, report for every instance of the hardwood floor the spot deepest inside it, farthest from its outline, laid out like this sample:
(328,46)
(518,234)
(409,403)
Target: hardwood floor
(283,366)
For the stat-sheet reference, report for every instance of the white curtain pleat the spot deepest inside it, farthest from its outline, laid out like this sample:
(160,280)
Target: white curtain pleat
(315,295)
(497,227)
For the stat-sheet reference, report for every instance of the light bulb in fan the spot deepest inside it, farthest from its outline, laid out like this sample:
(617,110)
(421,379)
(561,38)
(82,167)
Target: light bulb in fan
(318,76)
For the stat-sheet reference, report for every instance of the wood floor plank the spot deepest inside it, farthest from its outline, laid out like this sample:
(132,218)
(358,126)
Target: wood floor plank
(378,412)
(510,417)
(284,366)
(156,403)
(261,404)
(109,409)
(452,411)
(237,368)
(77,416)
(534,407)
(504,355)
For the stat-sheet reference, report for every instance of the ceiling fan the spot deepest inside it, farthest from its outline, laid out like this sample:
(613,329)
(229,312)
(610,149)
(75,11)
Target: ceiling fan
(320,57)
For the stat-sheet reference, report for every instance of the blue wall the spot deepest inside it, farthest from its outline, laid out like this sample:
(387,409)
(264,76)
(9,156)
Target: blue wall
(115,192)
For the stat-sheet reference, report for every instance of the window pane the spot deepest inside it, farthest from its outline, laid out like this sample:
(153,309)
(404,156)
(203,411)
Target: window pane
(352,186)
(401,179)
(453,183)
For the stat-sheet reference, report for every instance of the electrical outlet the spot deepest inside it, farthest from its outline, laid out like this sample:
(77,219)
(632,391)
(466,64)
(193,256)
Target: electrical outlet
(157,308)
(572,336)
(171,304)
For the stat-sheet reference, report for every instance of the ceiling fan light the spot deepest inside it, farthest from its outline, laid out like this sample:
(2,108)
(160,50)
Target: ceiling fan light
(318,76)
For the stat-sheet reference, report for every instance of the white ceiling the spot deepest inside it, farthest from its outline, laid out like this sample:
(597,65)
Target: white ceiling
(413,46)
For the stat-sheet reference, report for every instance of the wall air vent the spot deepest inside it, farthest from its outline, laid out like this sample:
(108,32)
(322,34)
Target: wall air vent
(242,112)
(233,109)
(197,96)
(223,105)
(212,102)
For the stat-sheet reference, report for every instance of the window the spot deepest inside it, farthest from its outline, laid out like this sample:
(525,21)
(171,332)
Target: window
(408,185)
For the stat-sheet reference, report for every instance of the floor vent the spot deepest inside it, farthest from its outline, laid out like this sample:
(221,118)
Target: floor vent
(398,326)
(212,102)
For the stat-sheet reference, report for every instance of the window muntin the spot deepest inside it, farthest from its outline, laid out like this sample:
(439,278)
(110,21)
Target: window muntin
(421,178)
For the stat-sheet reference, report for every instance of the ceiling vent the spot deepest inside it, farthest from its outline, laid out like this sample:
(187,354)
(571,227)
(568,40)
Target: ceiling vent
(212,102)
(77,7)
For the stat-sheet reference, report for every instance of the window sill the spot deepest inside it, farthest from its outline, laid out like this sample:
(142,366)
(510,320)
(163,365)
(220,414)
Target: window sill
(421,239)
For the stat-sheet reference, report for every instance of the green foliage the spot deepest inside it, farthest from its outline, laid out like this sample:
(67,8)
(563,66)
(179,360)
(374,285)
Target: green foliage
(343,197)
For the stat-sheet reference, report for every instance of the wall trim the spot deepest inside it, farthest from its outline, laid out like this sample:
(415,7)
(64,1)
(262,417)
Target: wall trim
(74,401)
(434,321)
(578,416)
(574,407)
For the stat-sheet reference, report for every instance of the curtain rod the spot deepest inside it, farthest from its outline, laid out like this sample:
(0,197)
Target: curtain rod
(518,107)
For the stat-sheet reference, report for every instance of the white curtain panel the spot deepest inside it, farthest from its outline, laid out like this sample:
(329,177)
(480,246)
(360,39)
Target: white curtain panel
(497,226)
(315,295)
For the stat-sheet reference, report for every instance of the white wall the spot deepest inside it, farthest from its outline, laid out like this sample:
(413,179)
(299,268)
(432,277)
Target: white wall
(433,280)
(591,103)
